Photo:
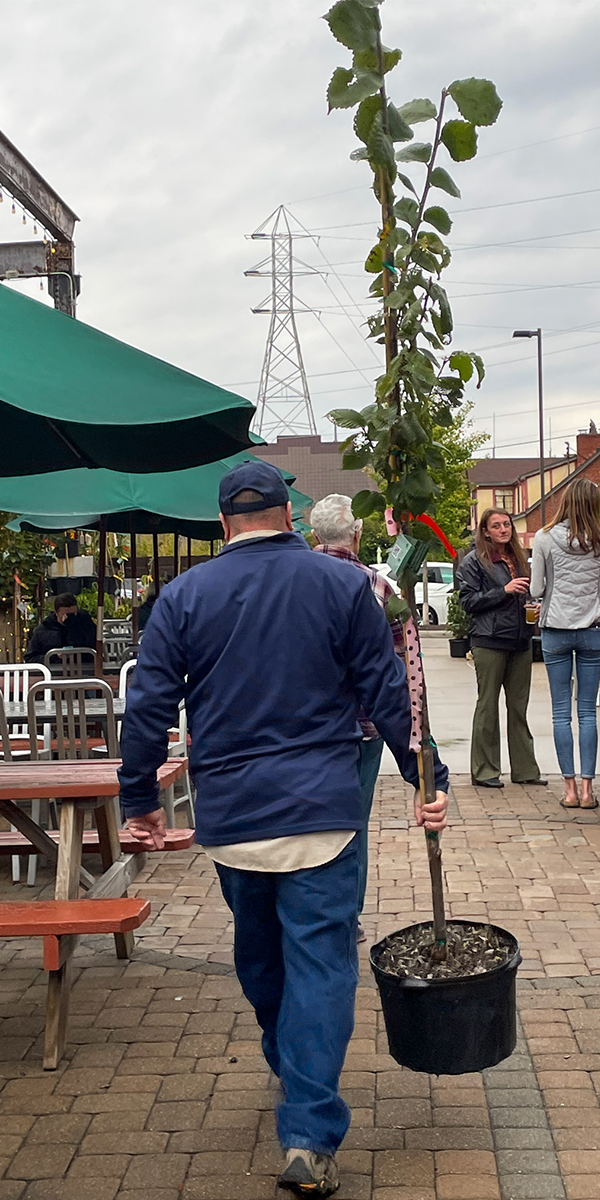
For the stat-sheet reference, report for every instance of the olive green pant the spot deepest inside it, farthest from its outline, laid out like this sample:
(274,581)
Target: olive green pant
(510,670)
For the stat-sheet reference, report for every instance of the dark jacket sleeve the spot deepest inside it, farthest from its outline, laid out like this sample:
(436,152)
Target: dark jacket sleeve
(474,595)
(152,707)
(379,677)
(36,647)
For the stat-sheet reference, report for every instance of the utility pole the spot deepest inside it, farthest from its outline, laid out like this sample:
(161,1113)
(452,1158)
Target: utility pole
(537,333)
(283,404)
(54,257)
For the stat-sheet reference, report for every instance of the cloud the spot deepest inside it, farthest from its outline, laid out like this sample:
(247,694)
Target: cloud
(175,127)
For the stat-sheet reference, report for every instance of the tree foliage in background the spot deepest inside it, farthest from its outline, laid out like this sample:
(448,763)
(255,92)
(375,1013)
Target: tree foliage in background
(459,443)
(398,435)
(22,554)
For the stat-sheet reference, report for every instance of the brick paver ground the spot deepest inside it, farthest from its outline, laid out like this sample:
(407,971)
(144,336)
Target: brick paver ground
(164,1093)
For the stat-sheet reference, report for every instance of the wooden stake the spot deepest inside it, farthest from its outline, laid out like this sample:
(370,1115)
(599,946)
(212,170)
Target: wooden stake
(134,593)
(156,567)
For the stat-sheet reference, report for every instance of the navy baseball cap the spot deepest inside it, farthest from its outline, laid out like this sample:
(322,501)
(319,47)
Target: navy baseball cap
(259,477)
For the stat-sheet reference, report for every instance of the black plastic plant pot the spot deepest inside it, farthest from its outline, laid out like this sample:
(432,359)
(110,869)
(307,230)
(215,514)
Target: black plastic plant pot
(450,1026)
(459,647)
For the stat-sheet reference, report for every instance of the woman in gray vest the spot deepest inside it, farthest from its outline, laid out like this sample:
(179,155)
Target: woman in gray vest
(566,577)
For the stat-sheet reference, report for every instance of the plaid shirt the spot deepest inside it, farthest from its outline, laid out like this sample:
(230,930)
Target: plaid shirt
(383,593)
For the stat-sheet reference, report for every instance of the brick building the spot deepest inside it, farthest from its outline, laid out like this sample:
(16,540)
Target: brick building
(317,466)
(513,483)
(586,465)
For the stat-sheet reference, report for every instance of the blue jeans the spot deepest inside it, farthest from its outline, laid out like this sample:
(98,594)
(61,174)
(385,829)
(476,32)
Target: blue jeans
(558,646)
(296,959)
(370,759)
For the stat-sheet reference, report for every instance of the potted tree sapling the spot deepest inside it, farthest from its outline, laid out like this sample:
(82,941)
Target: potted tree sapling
(459,625)
(447,988)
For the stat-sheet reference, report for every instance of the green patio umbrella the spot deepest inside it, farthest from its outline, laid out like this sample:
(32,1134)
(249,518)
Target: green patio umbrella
(71,396)
(184,503)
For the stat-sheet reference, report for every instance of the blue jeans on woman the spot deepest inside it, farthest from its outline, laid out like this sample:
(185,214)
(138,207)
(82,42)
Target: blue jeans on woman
(559,646)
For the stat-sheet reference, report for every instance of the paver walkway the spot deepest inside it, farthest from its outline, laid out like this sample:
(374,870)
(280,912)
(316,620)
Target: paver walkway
(165,1095)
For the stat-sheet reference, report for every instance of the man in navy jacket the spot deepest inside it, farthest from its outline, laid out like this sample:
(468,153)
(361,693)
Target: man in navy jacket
(274,649)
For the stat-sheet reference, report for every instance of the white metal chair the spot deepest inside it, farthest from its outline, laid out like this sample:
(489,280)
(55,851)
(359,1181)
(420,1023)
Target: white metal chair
(72,662)
(15,681)
(178,748)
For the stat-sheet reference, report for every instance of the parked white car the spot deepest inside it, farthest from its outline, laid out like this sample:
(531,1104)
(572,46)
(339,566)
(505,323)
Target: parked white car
(440,580)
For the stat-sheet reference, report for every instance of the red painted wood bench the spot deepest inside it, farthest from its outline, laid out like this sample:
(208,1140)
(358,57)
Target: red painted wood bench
(12,842)
(54,919)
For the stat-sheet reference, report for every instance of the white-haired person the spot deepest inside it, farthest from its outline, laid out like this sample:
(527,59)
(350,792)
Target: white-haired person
(338,532)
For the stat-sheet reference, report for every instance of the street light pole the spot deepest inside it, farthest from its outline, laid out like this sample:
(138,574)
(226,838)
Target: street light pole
(537,333)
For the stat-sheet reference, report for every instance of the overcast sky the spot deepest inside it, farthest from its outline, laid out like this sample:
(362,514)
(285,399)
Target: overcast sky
(174,127)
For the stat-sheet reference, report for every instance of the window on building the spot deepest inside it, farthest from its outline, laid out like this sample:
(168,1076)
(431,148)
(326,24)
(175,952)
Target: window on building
(504,499)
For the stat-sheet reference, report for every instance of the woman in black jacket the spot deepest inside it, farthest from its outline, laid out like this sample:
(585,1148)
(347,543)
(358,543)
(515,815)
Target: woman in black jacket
(493,582)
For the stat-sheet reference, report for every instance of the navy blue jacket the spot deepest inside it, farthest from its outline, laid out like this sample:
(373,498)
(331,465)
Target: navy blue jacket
(280,647)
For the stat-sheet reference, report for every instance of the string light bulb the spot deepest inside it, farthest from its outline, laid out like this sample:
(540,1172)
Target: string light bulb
(41,285)
(1,196)
(13,207)
(24,219)
(35,228)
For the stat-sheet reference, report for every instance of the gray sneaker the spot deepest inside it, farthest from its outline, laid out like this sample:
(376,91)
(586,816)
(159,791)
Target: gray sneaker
(309,1174)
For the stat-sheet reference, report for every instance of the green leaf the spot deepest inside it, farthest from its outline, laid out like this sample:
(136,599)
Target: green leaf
(419,485)
(380,148)
(407,210)
(366,502)
(443,416)
(441,179)
(374,262)
(355,460)
(461,362)
(354,25)
(460,140)
(365,115)
(446,324)
(409,431)
(418,152)
(477,361)
(477,100)
(386,383)
(346,418)
(400,130)
(434,458)
(397,609)
(425,260)
(345,90)
(359,155)
(367,60)
(418,110)
(399,297)
(407,183)
(439,218)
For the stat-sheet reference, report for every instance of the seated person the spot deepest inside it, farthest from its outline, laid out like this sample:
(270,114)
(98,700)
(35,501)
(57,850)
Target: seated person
(68,625)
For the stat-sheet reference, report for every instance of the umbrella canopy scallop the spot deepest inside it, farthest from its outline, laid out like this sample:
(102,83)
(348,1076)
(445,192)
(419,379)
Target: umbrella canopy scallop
(71,396)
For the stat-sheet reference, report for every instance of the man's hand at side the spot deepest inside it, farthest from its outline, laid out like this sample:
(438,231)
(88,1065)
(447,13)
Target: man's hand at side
(149,829)
(432,816)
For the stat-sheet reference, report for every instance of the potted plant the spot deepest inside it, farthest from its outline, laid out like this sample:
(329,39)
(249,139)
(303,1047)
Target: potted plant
(459,624)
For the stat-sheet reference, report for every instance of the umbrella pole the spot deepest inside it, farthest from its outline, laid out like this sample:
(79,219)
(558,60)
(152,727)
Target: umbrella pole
(175,554)
(212,549)
(101,575)
(156,567)
(134,595)
(189,552)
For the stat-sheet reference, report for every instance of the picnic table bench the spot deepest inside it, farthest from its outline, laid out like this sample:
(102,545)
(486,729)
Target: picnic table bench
(82,786)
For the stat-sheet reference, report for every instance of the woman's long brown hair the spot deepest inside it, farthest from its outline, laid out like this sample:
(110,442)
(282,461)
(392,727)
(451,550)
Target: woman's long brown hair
(580,508)
(483,543)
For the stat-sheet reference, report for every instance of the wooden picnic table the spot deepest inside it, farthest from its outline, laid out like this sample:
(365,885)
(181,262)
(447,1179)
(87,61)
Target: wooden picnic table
(16,710)
(81,786)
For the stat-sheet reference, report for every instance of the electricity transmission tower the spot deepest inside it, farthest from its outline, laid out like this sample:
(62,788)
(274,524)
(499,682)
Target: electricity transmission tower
(283,405)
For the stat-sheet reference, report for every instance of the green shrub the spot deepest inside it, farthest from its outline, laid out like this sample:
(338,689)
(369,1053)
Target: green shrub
(459,622)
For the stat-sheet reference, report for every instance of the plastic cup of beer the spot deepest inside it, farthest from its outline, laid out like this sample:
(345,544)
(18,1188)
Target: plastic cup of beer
(531,612)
